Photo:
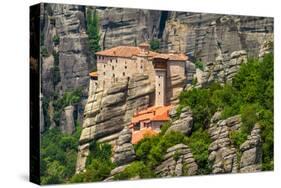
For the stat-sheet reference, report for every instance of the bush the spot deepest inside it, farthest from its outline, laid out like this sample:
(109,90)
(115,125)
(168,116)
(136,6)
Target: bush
(199,65)
(44,51)
(199,142)
(238,138)
(154,44)
(137,168)
(56,39)
(98,165)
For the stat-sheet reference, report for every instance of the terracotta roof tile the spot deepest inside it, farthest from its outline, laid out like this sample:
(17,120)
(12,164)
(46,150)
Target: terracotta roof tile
(129,51)
(139,135)
(158,113)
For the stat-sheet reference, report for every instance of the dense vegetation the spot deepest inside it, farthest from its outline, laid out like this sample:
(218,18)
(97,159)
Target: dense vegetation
(98,165)
(58,156)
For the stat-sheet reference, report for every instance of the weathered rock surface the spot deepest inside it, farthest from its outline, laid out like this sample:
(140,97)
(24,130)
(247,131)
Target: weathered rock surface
(251,158)
(67,124)
(222,154)
(107,112)
(184,123)
(121,26)
(178,161)
(69,55)
(124,152)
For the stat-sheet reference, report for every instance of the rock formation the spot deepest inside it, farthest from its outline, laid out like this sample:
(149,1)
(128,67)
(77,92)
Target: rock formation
(108,112)
(222,152)
(67,124)
(121,26)
(183,124)
(251,158)
(67,61)
(178,161)
(124,152)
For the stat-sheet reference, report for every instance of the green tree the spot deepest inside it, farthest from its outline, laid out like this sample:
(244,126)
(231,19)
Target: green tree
(154,44)
(93,30)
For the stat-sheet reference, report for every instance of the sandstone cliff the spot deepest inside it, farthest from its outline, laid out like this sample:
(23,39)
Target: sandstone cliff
(107,112)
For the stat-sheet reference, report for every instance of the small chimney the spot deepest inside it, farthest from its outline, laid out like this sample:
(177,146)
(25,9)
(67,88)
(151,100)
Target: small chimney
(144,47)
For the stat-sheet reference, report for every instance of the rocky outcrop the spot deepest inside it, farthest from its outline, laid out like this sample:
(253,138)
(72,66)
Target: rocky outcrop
(108,111)
(251,158)
(183,124)
(124,152)
(178,161)
(222,69)
(222,154)
(67,124)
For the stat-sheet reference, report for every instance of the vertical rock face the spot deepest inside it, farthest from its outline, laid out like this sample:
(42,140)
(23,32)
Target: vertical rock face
(222,152)
(68,61)
(178,161)
(183,124)
(121,26)
(67,124)
(251,158)
(107,112)
(124,152)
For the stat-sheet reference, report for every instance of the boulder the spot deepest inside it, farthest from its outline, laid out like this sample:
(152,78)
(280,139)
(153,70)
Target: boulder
(183,124)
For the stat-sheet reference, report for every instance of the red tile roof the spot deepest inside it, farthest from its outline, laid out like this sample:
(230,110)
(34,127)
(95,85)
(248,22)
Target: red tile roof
(155,113)
(139,135)
(129,51)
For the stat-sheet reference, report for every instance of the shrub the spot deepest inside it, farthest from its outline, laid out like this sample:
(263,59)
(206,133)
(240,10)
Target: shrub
(154,44)
(44,51)
(137,168)
(199,64)
(238,138)
(56,39)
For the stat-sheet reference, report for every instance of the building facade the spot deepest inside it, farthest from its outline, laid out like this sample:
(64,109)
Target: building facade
(121,62)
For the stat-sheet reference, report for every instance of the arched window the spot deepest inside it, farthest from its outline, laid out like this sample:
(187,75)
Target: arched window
(112,67)
(124,74)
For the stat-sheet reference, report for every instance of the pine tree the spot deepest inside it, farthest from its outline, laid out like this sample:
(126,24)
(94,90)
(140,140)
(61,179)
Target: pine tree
(93,30)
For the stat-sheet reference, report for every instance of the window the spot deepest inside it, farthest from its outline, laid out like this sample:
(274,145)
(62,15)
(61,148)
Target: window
(112,67)
(113,75)
(141,66)
(125,67)
(137,127)
(103,73)
(104,65)
(123,73)
(110,60)
(159,85)
(158,93)
(116,60)
(158,76)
